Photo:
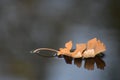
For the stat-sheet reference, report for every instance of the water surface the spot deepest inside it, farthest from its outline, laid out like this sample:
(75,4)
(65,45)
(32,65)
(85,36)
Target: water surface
(29,24)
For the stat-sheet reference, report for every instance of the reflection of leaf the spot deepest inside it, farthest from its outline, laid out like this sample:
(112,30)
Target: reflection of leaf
(78,62)
(68,60)
(100,63)
(89,62)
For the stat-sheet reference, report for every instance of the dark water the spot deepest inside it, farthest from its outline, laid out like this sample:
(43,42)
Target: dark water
(20,64)
(29,24)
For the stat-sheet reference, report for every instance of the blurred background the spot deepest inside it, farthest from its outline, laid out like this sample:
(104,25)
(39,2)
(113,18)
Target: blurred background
(29,24)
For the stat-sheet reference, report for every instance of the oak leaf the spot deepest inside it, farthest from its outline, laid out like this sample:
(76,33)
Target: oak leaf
(91,49)
(79,50)
(94,47)
(66,50)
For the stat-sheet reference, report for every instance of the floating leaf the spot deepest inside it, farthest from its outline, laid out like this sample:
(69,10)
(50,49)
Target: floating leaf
(91,49)
(79,49)
(68,45)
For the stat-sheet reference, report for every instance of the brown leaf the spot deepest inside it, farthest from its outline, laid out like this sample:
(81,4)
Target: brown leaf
(89,53)
(68,45)
(91,43)
(100,47)
(66,50)
(92,48)
(79,49)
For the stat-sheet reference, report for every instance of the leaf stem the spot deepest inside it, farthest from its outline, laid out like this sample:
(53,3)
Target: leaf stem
(41,49)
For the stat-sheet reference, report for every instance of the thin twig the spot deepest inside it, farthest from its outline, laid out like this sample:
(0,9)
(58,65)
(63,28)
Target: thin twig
(41,49)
